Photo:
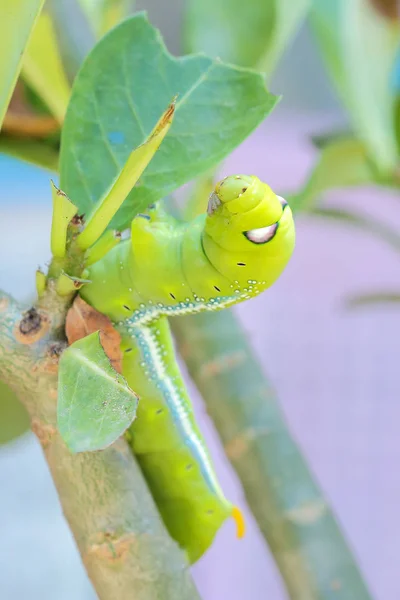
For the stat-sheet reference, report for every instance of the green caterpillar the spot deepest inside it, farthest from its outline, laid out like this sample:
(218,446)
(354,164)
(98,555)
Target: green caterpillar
(167,268)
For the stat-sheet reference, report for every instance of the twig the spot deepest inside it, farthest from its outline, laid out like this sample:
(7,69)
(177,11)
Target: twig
(298,525)
(122,540)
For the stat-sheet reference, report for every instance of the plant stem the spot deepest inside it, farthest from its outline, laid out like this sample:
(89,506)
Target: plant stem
(122,540)
(300,529)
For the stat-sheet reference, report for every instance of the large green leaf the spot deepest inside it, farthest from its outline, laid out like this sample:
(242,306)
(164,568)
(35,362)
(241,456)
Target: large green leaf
(95,404)
(14,420)
(359,47)
(118,96)
(17,19)
(43,70)
(252,34)
(342,162)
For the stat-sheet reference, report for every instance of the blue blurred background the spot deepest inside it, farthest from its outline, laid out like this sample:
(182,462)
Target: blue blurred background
(335,370)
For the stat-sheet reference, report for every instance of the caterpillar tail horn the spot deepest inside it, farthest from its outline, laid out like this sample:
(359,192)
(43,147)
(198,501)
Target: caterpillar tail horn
(240,522)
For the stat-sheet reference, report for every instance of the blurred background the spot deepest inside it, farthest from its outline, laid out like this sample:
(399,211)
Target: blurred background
(334,367)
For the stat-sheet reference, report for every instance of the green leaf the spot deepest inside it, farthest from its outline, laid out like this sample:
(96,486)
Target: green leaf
(251,34)
(75,35)
(17,19)
(359,47)
(374,299)
(36,152)
(14,420)
(119,94)
(343,162)
(105,209)
(367,224)
(43,70)
(95,404)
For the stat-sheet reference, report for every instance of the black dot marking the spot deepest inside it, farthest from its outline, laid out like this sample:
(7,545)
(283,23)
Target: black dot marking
(244,189)
(129,350)
(159,411)
(126,307)
(241,264)
(188,467)
(210,512)
(172,296)
(216,288)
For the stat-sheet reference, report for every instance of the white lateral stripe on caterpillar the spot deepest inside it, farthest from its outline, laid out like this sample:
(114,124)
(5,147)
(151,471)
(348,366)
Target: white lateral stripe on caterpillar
(151,353)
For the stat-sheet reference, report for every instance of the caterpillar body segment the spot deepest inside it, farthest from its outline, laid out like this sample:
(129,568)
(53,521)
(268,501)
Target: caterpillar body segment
(167,442)
(169,268)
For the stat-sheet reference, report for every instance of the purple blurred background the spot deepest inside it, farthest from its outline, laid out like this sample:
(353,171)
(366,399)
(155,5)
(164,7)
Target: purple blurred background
(334,370)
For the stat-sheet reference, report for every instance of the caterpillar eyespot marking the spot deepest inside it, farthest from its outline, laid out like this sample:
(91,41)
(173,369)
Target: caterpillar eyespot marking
(199,260)
(283,202)
(262,235)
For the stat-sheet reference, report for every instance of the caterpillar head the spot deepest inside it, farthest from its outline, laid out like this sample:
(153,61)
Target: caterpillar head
(245,214)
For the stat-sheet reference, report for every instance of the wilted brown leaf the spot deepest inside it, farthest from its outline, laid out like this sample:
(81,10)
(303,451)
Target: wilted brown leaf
(388,8)
(22,121)
(83,319)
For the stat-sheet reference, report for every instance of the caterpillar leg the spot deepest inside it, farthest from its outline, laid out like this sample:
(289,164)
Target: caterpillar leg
(168,444)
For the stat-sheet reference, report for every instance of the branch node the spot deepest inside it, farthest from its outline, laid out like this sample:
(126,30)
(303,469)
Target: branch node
(223,363)
(110,546)
(240,444)
(52,357)
(32,327)
(43,431)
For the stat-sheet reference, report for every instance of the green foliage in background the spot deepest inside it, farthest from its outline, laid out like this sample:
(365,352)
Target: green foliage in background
(359,47)
(251,34)
(17,22)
